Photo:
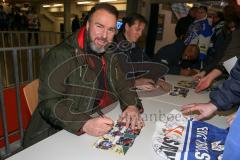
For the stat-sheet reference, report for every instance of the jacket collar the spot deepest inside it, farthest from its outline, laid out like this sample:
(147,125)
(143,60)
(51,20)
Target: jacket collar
(121,37)
(202,19)
(77,39)
(81,36)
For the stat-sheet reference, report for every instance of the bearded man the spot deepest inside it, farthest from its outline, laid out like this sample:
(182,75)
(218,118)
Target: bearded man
(77,78)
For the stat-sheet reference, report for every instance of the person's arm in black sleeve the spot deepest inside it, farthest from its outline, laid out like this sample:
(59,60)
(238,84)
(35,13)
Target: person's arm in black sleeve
(156,69)
(220,47)
(55,99)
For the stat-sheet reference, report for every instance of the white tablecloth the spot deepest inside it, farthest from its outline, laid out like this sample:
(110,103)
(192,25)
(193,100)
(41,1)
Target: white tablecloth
(66,146)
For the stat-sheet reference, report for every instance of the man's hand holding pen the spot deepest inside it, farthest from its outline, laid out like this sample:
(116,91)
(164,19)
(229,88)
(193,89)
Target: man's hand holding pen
(98,126)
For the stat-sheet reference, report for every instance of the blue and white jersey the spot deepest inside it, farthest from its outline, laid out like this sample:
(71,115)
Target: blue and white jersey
(199,33)
(204,142)
(184,139)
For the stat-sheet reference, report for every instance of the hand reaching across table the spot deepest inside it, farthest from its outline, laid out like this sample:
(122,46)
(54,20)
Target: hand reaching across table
(203,110)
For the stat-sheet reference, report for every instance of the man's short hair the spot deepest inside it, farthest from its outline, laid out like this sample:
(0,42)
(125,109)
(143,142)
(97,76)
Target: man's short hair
(203,8)
(104,6)
(130,20)
(231,15)
(193,9)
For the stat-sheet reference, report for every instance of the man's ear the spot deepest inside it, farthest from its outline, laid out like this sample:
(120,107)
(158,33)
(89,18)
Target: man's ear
(126,27)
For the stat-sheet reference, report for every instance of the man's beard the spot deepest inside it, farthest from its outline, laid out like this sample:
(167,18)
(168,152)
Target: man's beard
(94,48)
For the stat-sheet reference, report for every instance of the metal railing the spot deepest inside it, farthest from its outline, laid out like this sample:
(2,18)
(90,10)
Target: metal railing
(9,39)
(27,38)
(17,71)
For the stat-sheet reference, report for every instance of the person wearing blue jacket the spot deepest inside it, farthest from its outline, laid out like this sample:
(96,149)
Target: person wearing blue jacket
(223,98)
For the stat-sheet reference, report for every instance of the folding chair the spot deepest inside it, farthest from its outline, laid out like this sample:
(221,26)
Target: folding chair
(31,94)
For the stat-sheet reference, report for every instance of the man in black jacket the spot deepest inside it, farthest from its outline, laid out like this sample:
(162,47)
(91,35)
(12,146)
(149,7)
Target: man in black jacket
(126,39)
(184,22)
(171,55)
(75,23)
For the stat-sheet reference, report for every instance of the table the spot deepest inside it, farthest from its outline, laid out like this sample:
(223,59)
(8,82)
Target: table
(192,96)
(64,145)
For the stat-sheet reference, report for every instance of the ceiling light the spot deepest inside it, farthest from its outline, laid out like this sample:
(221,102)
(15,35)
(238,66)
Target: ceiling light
(189,5)
(223,4)
(84,2)
(57,5)
(107,0)
(46,6)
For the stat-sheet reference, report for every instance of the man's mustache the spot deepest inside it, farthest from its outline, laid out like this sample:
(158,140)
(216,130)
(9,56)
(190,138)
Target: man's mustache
(102,39)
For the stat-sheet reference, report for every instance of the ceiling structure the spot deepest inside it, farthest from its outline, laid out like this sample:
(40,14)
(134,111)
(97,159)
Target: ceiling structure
(55,3)
(48,1)
(215,3)
(218,4)
(61,1)
(33,1)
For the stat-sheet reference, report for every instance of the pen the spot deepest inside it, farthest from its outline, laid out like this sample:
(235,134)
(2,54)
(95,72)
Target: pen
(100,113)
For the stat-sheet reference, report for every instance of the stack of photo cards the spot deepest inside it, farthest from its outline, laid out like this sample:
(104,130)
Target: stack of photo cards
(119,139)
(192,85)
(188,84)
(179,91)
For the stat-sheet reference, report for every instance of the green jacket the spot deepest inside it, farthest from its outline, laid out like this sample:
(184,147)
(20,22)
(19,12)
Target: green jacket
(68,88)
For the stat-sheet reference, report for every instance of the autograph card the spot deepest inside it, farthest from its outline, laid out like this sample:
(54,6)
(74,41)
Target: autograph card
(118,140)
(187,84)
(179,91)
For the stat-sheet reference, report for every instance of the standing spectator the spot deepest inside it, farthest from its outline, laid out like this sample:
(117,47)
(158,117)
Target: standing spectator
(3,19)
(75,23)
(217,23)
(17,19)
(231,50)
(10,19)
(24,22)
(83,20)
(184,22)
(33,26)
(199,34)
(220,39)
